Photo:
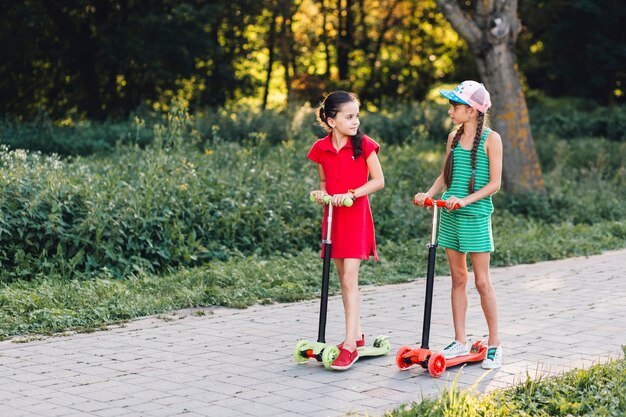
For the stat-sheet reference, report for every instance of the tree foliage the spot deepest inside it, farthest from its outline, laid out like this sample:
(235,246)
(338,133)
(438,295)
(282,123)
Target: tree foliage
(98,59)
(575,48)
(103,58)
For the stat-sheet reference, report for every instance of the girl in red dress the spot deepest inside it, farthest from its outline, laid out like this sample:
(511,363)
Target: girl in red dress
(348,167)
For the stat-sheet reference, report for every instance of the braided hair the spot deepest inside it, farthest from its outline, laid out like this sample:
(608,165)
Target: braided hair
(449,164)
(329,109)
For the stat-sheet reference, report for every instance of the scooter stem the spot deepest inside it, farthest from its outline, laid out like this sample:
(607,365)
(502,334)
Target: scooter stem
(430,277)
(434,233)
(321,332)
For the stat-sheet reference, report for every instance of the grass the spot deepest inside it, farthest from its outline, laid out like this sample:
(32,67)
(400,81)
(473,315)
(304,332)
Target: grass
(52,304)
(599,390)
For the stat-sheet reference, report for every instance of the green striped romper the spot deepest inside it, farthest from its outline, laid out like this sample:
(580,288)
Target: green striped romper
(468,229)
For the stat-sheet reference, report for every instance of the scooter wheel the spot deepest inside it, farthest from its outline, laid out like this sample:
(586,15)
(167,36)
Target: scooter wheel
(383,343)
(436,364)
(299,353)
(399,360)
(329,354)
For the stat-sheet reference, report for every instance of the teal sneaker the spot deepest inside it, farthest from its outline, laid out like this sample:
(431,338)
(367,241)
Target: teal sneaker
(455,349)
(493,359)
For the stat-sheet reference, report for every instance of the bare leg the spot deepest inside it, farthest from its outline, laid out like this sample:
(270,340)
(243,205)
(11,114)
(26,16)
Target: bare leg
(458,270)
(349,278)
(482,277)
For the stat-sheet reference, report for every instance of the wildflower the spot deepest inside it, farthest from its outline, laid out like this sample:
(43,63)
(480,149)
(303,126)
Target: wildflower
(20,154)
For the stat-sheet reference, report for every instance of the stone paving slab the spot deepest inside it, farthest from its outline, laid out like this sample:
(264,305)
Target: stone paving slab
(554,316)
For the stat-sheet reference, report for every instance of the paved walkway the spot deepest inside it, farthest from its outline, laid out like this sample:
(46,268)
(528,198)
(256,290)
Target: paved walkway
(554,316)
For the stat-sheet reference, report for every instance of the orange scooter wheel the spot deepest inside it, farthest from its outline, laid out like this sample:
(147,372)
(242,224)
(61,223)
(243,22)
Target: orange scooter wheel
(400,360)
(436,364)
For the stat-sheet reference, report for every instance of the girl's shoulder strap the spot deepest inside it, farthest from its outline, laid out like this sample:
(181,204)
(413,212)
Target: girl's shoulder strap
(485,134)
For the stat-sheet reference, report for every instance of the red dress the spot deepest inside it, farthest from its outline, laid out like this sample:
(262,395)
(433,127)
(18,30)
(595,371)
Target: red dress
(353,227)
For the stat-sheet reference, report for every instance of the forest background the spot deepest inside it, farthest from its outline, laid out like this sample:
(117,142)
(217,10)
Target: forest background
(154,152)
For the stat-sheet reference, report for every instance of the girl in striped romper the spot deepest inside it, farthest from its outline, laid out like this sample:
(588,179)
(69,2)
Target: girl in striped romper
(471,175)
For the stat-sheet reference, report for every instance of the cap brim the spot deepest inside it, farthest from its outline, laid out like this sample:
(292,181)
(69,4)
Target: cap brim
(449,94)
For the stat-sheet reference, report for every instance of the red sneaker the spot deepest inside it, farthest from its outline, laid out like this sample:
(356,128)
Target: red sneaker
(359,343)
(345,359)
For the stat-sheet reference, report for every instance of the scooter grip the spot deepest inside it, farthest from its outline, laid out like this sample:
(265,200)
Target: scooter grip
(440,203)
(347,202)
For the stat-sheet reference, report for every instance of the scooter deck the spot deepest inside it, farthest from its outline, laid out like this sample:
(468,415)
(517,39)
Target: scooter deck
(477,354)
(368,351)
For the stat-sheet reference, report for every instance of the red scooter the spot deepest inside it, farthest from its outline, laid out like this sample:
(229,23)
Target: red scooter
(435,362)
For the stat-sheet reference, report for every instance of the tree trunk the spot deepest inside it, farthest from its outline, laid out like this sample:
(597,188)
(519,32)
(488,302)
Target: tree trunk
(521,171)
(491,36)
(345,38)
(271,41)
(324,39)
(287,10)
(83,64)
(387,23)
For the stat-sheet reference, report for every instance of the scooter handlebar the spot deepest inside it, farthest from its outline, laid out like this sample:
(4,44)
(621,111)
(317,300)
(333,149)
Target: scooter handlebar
(347,202)
(439,203)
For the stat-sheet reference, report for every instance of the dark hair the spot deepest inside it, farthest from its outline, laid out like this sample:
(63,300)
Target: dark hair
(449,165)
(329,109)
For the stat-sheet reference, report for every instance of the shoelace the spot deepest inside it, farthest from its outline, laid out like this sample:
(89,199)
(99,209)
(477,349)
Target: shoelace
(454,344)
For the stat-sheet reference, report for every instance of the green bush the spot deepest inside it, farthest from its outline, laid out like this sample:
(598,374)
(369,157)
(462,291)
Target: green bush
(85,138)
(145,210)
(408,123)
(569,118)
(185,200)
(585,182)
(566,119)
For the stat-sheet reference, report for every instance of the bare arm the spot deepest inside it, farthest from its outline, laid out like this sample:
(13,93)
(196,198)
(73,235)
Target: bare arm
(319,194)
(375,183)
(377,179)
(439,185)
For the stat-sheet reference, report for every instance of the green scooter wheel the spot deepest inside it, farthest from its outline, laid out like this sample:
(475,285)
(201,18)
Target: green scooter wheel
(383,343)
(299,353)
(329,355)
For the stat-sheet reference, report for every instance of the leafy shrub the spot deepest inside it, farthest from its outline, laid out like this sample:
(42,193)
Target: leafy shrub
(585,181)
(395,123)
(185,200)
(85,138)
(569,118)
(408,123)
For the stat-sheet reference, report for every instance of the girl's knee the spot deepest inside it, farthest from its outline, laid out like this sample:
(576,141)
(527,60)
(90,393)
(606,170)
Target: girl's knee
(484,286)
(349,281)
(459,278)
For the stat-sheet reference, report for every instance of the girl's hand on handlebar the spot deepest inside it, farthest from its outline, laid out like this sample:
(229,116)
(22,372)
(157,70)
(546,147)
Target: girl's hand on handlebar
(419,199)
(337,199)
(452,201)
(319,196)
